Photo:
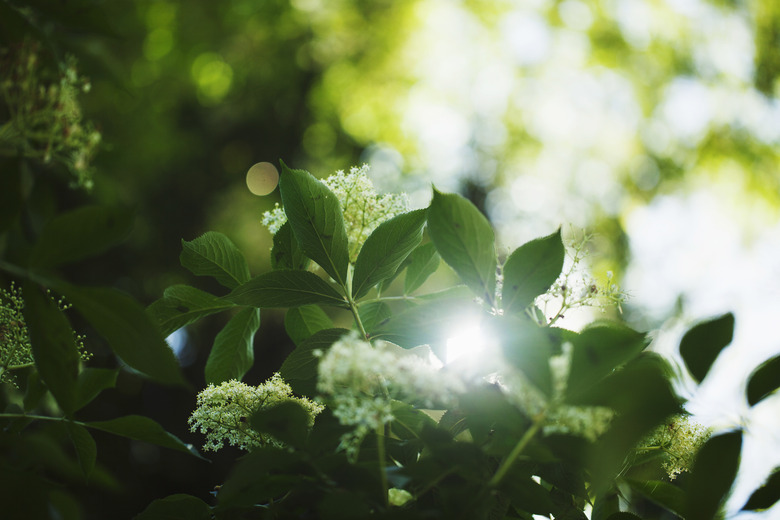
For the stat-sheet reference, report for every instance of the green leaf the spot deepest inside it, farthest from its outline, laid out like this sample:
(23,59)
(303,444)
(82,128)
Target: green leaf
(176,507)
(624,515)
(84,444)
(424,261)
(605,504)
(530,271)
(300,367)
(286,421)
(316,220)
(662,493)
(233,353)
(213,254)
(712,476)
(598,350)
(285,288)
(301,322)
(140,428)
(385,249)
(763,380)
(766,496)
(373,314)
(53,346)
(129,330)
(465,240)
(182,305)
(702,344)
(91,382)
(81,233)
(286,253)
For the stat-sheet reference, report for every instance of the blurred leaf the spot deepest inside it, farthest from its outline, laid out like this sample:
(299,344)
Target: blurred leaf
(129,330)
(702,344)
(286,421)
(766,496)
(712,476)
(528,348)
(605,505)
(641,394)
(316,220)
(385,249)
(176,507)
(424,261)
(233,353)
(409,422)
(372,314)
(662,493)
(527,494)
(213,254)
(301,322)
(530,271)
(285,253)
(465,240)
(182,305)
(263,475)
(300,367)
(623,515)
(598,350)
(53,346)
(91,382)
(11,198)
(35,391)
(285,288)
(81,233)
(763,380)
(429,323)
(86,449)
(140,428)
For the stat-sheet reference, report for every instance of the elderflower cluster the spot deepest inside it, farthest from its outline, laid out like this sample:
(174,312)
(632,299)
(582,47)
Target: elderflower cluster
(360,381)
(589,422)
(680,438)
(363,208)
(15,347)
(575,287)
(223,412)
(44,116)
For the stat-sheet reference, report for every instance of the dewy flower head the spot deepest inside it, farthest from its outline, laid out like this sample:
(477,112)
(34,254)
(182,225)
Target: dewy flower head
(359,382)
(363,208)
(224,410)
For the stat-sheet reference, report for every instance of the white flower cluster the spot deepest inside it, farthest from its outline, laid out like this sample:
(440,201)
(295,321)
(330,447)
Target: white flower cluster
(363,208)
(15,347)
(681,439)
(575,287)
(359,382)
(589,422)
(223,412)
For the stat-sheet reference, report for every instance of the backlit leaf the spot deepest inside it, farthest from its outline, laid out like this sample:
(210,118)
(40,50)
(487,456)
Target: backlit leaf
(424,261)
(530,270)
(140,428)
(701,345)
(316,221)
(465,240)
(385,249)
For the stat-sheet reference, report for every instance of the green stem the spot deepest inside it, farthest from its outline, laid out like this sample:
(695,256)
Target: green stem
(517,450)
(380,447)
(35,417)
